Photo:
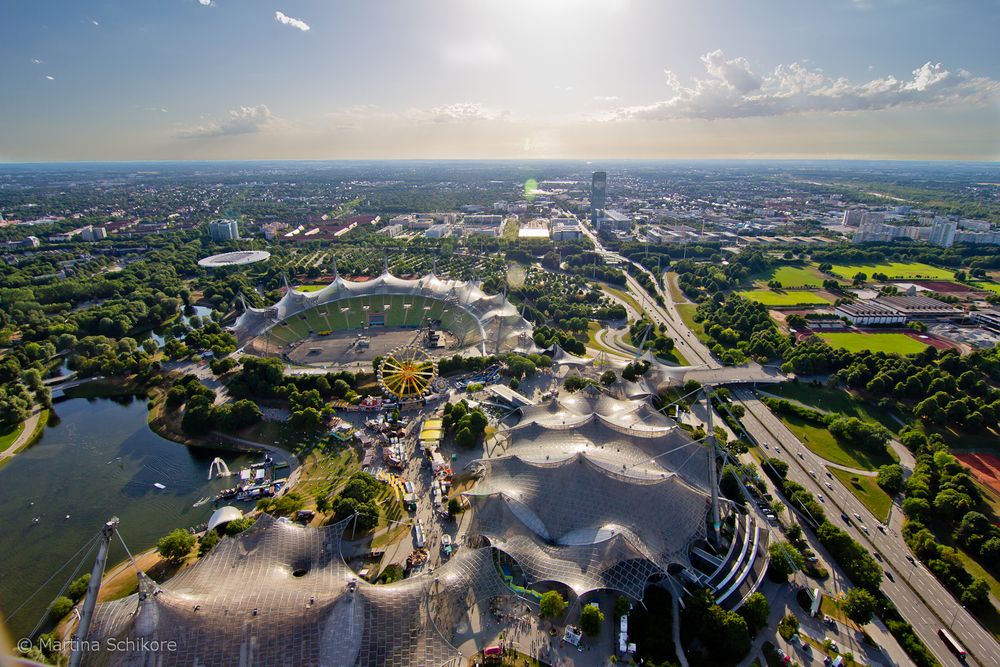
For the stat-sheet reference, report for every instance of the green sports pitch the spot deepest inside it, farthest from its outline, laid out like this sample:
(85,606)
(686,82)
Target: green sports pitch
(786,298)
(895,343)
(798,276)
(895,271)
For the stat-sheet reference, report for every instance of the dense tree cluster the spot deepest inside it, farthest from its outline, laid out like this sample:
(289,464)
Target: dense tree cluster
(739,328)
(725,635)
(699,280)
(942,495)
(468,425)
(645,333)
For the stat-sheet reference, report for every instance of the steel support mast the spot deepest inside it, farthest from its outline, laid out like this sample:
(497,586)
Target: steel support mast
(90,601)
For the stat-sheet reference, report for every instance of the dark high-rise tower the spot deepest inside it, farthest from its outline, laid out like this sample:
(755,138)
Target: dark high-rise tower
(598,190)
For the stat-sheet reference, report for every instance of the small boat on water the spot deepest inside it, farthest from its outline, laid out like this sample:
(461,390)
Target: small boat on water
(159,486)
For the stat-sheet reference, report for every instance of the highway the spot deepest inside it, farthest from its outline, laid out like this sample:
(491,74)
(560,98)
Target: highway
(917,594)
(920,598)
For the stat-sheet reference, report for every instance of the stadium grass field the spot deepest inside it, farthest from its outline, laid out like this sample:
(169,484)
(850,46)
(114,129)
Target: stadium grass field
(309,288)
(798,276)
(353,312)
(876,342)
(786,298)
(895,271)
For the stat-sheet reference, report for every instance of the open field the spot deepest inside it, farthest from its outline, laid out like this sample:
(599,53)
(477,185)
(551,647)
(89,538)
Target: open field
(785,298)
(686,311)
(797,276)
(833,400)
(895,271)
(867,491)
(309,288)
(876,342)
(821,442)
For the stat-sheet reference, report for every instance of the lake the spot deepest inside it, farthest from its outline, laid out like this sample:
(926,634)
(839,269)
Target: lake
(101,460)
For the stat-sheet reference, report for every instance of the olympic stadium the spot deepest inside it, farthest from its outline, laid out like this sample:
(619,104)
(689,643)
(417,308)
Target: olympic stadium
(586,494)
(349,321)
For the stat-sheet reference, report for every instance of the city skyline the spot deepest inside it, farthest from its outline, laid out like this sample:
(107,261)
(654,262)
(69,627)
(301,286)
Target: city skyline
(220,79)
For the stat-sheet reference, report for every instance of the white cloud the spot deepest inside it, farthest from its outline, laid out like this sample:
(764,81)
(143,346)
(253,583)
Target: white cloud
(732,90)
(284,19)
(461,112)
(50,77)
(36,61)
(244,120)
(205,3)
(606,98)
(94,22)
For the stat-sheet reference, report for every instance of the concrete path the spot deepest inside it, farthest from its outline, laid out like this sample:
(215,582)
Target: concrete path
(29,428)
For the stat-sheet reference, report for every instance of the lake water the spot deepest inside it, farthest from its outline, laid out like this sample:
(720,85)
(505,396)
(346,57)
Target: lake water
(100,461)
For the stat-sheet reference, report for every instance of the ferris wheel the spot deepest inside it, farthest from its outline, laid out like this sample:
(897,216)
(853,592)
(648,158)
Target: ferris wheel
(407,372)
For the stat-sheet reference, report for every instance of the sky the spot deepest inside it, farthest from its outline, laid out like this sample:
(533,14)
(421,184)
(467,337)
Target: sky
(330,79)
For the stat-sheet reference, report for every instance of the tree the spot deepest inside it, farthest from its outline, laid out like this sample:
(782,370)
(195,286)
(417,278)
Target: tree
(859,605)
(890,478)
(785,559)
(977,595)
(464,438)
(755,611)
(176,545)
(552,605)
(61,606)
(591,620)
(608,378)
(207,541)
(78,588)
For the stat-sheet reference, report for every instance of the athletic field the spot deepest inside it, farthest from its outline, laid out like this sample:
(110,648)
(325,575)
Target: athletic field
(786,298)
(896,343)
(798,276)
(895,271)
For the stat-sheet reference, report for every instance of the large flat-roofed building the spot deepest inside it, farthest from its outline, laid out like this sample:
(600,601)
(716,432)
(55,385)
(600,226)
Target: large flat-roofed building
(614,220)
(224,230)
(869,313)
(919,307)
(566,231)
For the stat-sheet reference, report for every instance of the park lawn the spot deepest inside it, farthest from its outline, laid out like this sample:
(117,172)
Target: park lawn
(867,491)
(309,288)
(785,298)
(833,400)
(895,343)
(675,291)
(686,311)
(797,276)
(895,271)
(7,439)
(821,442)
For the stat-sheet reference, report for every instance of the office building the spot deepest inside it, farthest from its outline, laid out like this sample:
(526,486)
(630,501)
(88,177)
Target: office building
(598,195)
(224,230)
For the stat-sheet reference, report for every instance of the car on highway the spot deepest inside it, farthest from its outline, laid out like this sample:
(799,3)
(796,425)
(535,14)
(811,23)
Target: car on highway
(812,473)
(878,556)
(846,518)
(881,528)
(802,456)
(857,516)
(888,575)
(828,485)
(829,474)
(910,558)
(820,496)
(865,528)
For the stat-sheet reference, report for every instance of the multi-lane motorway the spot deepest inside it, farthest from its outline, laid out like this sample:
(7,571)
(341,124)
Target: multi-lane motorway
(918,595)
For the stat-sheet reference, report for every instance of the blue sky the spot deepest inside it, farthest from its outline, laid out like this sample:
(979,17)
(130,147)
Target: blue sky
(233,79)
